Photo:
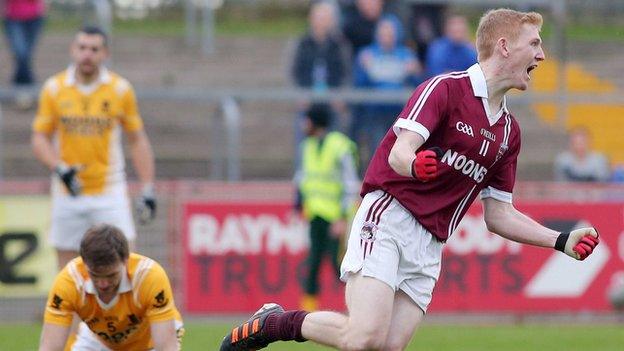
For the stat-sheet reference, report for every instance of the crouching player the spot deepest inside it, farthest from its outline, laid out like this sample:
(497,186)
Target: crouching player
(124,299)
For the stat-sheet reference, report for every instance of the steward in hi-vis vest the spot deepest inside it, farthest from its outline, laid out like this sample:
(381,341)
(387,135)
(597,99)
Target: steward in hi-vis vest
(327,190)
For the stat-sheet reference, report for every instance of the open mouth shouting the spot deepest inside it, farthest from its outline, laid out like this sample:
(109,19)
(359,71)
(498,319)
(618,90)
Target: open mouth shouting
(529,69)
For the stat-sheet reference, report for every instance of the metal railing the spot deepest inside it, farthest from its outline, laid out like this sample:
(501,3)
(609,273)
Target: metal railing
(226,132)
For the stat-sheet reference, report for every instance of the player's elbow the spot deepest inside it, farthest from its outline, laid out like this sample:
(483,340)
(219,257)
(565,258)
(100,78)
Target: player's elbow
(495,221)
(491,225)
(498,215)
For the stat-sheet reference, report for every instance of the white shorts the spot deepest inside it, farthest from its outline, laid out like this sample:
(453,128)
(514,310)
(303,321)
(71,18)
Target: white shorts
(72,216)
(387,243)
(86,340)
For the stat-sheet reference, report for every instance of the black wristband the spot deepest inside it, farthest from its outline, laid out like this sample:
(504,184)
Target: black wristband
(412,168)
(562,239)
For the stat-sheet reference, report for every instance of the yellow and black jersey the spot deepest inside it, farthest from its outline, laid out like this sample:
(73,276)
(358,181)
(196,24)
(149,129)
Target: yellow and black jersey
(86,122)
(144,297)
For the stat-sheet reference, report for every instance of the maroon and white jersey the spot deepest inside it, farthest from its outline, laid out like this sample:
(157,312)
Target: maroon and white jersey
(480,149)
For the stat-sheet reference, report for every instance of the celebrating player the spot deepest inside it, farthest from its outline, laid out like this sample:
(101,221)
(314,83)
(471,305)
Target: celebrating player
(454,140)
(77,135)
(124,299)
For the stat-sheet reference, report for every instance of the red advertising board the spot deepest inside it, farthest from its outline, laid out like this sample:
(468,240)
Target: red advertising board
(484,272)
(240,255)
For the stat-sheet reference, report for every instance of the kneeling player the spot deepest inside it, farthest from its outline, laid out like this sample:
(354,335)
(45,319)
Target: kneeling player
(124,299)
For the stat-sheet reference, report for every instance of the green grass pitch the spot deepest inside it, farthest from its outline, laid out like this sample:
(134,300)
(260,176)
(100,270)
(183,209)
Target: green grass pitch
(207,336)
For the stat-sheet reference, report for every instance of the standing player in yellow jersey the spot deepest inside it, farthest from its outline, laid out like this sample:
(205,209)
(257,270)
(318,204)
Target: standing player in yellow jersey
(77,134)
(124,299)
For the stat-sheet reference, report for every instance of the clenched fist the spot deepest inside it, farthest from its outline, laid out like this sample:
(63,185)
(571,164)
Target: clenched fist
(579,243)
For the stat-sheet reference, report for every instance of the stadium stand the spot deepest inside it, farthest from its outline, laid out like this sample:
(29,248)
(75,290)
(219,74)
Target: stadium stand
(604,121)
(183,129)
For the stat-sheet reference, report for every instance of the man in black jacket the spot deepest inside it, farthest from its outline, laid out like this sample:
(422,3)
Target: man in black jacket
(319,60)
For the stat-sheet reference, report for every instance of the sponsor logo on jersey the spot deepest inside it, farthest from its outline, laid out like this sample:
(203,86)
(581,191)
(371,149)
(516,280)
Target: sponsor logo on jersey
(116,336)
(161,300)
(488,135)
(465,165)
(90,125)
(464,128)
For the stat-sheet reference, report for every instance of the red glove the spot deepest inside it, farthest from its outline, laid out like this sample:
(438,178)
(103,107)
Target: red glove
(425,165)
(579,243)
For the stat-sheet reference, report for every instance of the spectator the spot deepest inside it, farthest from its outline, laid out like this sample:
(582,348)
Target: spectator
(386,64)
(618,173)
(452,52)
(359,27)
(579,163)
(319,59)
(23,20)
(328,187)
(425,26)
(348,8)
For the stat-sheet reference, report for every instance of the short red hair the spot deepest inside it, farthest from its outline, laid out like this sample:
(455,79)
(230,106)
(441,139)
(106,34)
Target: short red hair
(500,23)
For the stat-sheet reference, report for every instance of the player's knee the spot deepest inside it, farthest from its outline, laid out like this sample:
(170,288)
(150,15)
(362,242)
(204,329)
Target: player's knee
(397,342)
(363,339)
(362,345)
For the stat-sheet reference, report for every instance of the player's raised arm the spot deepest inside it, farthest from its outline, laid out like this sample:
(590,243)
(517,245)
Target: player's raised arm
(53,337)
(164,336)
(406,160)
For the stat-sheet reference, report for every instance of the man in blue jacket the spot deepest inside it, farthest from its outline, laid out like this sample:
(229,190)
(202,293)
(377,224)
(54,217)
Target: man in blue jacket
(452,52)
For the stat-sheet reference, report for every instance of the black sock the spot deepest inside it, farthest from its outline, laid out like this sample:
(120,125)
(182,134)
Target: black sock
(285,326)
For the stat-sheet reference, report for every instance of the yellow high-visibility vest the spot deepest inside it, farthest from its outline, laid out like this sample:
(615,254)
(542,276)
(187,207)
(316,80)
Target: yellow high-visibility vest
(322,187)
